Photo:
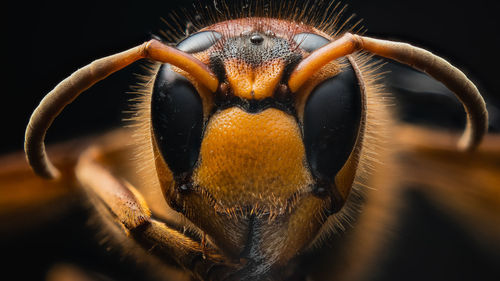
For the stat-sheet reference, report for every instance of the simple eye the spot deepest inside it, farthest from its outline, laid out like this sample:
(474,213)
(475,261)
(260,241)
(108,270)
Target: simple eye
(332,118)
(199,41)
(310,41)
(177,117)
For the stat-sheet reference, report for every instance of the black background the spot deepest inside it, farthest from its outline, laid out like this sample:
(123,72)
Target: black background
(45,42)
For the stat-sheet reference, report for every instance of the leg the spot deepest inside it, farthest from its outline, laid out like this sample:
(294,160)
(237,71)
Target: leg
(131,213)
(124,201)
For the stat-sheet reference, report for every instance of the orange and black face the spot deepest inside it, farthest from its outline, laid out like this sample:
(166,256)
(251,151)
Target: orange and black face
(256,167)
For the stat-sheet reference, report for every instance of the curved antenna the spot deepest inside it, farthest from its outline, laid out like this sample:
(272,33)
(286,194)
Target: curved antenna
(82,79)
(418,58)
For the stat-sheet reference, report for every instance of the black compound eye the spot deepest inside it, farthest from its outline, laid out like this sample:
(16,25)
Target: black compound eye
(309,41)
(177,117)
(332,117)
(199,41)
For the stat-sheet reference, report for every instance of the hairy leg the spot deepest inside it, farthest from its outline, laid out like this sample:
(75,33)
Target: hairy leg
(119,203)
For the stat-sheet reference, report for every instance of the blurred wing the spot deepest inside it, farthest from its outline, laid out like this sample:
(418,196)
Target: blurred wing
(435,214)
(28,201)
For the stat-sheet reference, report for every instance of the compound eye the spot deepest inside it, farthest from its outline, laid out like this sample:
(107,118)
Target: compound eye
(309,41)
(177,118)
(199,42)
(332,117)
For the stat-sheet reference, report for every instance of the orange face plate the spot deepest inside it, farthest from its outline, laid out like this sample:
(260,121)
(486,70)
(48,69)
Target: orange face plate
(252,160)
